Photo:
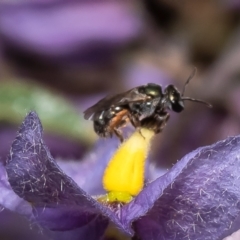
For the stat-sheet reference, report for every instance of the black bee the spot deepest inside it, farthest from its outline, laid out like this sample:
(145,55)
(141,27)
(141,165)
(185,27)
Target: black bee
(114,112)
(143,106)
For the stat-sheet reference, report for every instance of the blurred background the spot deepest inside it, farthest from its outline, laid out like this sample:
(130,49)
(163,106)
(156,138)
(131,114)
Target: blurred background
(60,57)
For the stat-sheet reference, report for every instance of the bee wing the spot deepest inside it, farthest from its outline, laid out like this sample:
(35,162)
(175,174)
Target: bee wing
(114,100)
(101,105)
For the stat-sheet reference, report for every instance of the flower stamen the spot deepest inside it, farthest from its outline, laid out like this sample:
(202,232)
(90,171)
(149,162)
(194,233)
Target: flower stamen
(124,175)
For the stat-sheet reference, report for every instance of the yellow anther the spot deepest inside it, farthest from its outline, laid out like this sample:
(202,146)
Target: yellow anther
(125,171)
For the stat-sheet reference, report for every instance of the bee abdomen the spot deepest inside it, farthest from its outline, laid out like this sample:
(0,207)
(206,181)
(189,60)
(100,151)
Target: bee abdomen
(101,123)
(101,129)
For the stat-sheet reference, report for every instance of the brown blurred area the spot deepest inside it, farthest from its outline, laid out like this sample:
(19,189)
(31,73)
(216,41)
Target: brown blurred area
(173,36)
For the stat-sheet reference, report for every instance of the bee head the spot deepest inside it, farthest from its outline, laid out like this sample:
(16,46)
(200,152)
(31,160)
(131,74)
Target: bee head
(173,99)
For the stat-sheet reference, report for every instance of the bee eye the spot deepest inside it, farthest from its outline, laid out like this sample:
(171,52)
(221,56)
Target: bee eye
(172,97)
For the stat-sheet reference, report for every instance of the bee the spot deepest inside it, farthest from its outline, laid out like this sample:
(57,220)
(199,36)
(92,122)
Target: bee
(114,112)
(143,106)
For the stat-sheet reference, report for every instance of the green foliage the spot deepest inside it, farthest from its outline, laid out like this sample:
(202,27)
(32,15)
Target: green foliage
(57,115)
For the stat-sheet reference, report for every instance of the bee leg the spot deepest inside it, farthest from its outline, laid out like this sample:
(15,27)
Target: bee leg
(110,134)
(118,133)
(139,130)
(136,123)
(161,122)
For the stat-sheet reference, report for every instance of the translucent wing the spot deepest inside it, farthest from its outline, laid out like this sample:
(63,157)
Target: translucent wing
(114,100)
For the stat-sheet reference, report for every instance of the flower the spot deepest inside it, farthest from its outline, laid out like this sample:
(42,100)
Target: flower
(76,42)
(197,199)
(57,29)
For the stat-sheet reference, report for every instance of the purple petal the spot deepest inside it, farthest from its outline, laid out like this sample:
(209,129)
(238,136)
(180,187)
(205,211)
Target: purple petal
(15,226)
(60,146)
(197,199)
(59,204)
(92,231)
(59,28)
(88,173)
(234,236)
(9,199)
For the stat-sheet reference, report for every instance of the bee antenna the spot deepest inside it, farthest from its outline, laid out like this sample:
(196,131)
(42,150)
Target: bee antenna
(197,100)
(188,80)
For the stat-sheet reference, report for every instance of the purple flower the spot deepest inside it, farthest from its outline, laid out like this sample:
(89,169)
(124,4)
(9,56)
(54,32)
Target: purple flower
(197,199)
(76,42)
(59,28)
